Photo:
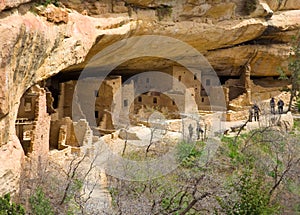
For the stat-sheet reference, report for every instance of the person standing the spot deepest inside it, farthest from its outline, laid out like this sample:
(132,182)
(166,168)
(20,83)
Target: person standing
(199,131)
(250,114)
(256,112)
(190,132)
(272,105)
(280,105)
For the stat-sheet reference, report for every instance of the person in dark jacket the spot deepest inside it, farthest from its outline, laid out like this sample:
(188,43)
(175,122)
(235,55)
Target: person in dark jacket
(272,105)
(280,105)
(256,110)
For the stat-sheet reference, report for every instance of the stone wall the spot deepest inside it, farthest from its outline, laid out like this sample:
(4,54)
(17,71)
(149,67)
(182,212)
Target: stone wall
(41,127)
(64,125)
(108,101)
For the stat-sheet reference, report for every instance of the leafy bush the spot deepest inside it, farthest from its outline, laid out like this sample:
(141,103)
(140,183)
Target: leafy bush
(298,104)
(8,208)
(232,150)
(249,196)
(189,153)
(40,205)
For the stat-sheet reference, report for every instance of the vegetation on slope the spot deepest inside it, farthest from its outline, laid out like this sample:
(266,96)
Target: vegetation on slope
(248,175)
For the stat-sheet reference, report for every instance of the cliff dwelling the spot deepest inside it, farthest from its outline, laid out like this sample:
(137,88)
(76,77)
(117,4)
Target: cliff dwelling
(33,120)
(150,82)
(174,90)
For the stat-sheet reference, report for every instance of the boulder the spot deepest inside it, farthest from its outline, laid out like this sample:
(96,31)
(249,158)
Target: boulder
(285,121)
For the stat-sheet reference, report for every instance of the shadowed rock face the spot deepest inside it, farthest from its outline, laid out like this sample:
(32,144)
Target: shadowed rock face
(34,49)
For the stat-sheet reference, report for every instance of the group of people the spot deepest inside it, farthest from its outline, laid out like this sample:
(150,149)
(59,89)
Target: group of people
(280,105)
(255,110)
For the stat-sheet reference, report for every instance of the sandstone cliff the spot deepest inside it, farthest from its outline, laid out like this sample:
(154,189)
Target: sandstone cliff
(37,43)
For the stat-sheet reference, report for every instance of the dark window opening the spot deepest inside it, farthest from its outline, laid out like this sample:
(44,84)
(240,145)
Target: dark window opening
(96,114)
(207,82)
(96,93)
(203,93)
(125,103)
(202,100)
(179,78)
(28,104)
(140,99)
(195,76)
(154,100)
(173,102)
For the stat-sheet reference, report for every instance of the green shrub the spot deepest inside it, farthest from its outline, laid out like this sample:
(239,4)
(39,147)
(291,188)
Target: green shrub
(298,104)
(189,153)
(249,196)
(232,149)
(40,204)
(8,208)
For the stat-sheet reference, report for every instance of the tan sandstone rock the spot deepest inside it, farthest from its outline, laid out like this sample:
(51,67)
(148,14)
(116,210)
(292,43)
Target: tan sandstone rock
(5,4)
(54,14)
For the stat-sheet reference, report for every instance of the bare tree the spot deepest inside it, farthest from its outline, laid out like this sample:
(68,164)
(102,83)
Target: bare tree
(68,185)
(180,192)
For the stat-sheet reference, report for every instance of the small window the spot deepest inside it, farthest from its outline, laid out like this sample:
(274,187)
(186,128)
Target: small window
(96,114)
(195,76)
(147,80)
(96,93)
(179,78)
(28,105)
(207,82)
(154,100)
(27,135)
(114,83)
(140,99)
(27,132)
(202,100)
(125,102)
(173,102)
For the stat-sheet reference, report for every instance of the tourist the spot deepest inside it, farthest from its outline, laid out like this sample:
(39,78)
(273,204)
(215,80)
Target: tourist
(280,105)
(199,131)
(190,131)
(256,112)
(272,105)
(250,114)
